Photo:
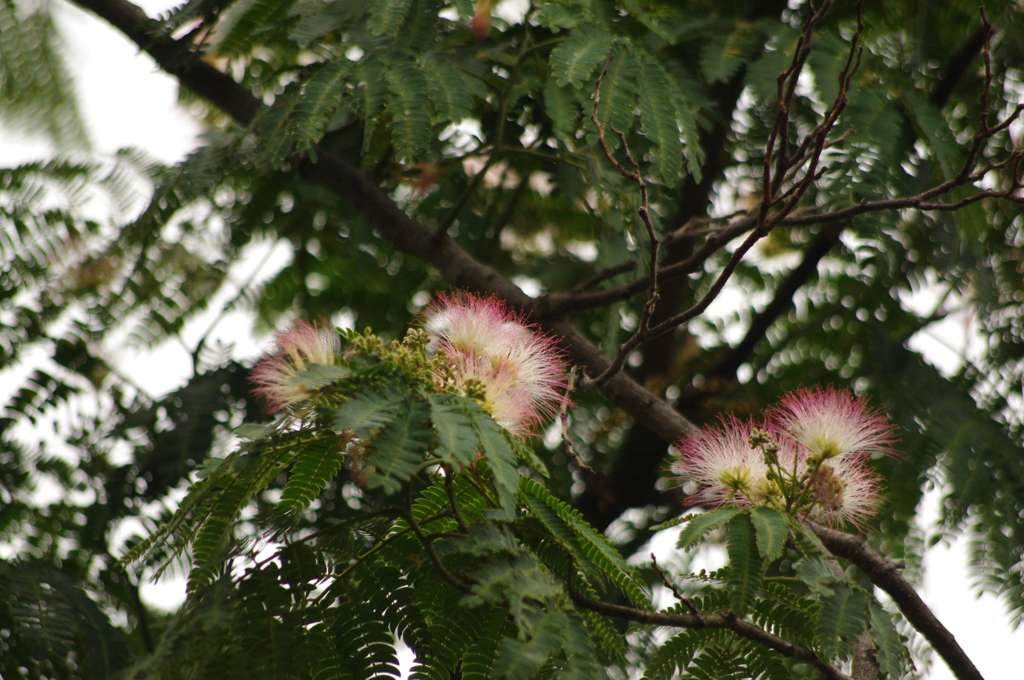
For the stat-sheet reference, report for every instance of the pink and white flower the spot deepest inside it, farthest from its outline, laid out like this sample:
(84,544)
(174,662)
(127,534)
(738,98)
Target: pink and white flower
(830,422)
(489,348)
(845,490)
(295,349)
(724,464)
(810,456)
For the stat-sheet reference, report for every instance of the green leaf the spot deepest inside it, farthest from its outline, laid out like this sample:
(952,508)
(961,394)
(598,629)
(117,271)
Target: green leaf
(931,126)
(556,16)
(892,654)
(772,532)
(817,574)
(369,97)
(593,545)
(320,101)
(500,457)
(744,576)
(479,659)
(254,431)
(699,525)
(724,53)
(827,60)
(574,60)
(456,436)
(36,91)
(386,16)
(410,111)
(247,18)
(618,92)
(561,108)
(367,411)
(309,475)
(843,615)
(673,522)
(451,89)
(318,376)
(659,101)
(520,660)
(400,448)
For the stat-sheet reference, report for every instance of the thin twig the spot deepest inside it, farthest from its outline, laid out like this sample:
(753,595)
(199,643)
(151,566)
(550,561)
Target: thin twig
(765,219)
(449,487)
(675,589)
(563,419)
(381,544)
(428,545)
(737,625)
(636,177)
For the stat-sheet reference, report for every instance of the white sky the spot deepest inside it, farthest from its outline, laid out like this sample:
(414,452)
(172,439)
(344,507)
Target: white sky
(127,102)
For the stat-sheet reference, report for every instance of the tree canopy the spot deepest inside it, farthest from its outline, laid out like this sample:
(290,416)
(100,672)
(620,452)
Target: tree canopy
(582,180)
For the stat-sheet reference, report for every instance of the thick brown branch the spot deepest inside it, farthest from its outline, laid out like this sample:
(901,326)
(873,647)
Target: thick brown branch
(731,621)
(956,67)
(886,575)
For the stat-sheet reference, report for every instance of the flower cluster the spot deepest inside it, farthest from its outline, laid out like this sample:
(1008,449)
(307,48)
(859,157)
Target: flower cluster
(486,351)
(809,455)
(471,346)
(295,349)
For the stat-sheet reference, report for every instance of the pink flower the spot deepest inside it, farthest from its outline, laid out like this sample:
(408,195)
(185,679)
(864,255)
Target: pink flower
(810,457)
(722,461)
(304,344)
(516,373)
(845,490)
(831,423)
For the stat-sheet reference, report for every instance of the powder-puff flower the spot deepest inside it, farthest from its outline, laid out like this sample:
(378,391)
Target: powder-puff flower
(830,423)
(810,456)
(492,354)
(844,490)
(724,464)
(304,344)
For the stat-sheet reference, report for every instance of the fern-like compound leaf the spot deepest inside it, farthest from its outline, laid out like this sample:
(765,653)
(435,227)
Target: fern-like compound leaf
(561,108)
(659,99)
(618,93)
(892,653)
(456,440)
(386,16)
(367,411)
(575,59)
(500,457)
(451,89)
(318,376)
(772,532)
(592,544)
(396,454)
(744,576)
(310,473)
(320,101)
(478,662)
(410,108)
(245,19)
(701,524)
(843,615)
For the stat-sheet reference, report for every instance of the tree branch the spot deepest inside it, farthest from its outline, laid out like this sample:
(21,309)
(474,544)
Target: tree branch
(886,575)
(956,67)
(384,216)
(731,621)
(759,325)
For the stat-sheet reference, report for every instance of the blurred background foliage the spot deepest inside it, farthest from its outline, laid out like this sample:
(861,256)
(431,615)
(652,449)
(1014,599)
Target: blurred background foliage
(492,142)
